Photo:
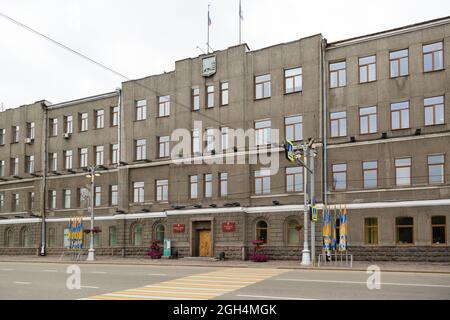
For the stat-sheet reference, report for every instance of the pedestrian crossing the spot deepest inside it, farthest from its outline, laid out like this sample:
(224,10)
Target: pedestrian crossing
(203,286)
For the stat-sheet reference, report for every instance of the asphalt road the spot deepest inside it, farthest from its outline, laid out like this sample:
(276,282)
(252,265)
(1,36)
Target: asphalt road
(22,281)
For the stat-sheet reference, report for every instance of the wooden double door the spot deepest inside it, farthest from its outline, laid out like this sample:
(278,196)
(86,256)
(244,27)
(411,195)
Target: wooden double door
(204,243)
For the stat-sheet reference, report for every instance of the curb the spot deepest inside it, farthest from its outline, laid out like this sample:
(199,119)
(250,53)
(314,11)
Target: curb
(227,266)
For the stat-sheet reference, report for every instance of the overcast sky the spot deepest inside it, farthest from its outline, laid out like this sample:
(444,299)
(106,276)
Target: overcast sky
(144,37)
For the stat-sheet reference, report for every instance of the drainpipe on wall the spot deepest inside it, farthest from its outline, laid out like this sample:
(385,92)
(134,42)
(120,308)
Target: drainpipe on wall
(43,190)
(325,120)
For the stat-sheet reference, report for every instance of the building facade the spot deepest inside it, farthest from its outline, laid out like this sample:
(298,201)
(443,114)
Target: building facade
(375,105)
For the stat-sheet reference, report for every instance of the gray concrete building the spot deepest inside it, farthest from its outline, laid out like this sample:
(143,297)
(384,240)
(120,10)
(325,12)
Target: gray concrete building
(376,106)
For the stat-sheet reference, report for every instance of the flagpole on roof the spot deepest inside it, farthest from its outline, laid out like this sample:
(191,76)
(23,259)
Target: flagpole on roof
(241,17)
(209,24)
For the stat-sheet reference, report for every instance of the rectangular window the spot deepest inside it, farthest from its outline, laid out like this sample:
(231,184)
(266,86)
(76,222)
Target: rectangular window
(114,116)
(367,69)
(53,127)
(99,119)
(399,63)
(210,96)
(15,134)
(262,182)
(2,137)
(195,98)
(368,120)
(2,168)
(164,146)
(436,169)
(371,231)
(293,81)
(224,138)
(370,174)
(83,119)
(262,86)
(14,166)
(2,201)
(438,229)
(114,195)
(112,236)
(294,128)
(68,159)
(434,110)
(164,106)
(223,176)
(68,124)
(294,179)
(67,194)
(29,164)
(141,110)
(224,98)
(30,201)
(403,172)
(339,176)
(162,190)
(31,130)
(53,161)
(433,57)
(196,142)
(141,149)
(208,185)
(405,230)
(338,124)
(338,77)
(115,153)
(15,202)
(98,196)
(99,152)
(52,199)
(193,188)
(400,115)
(210,140)
(83,157)
(263,132)
(138,192)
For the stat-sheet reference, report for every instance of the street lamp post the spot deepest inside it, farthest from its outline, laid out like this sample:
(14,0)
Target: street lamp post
(306,257)
(92,175)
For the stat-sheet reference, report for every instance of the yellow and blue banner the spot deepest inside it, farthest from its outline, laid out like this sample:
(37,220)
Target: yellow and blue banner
(343,232)
(326,229)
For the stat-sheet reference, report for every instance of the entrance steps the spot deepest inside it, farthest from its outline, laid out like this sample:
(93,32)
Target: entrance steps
(205,259)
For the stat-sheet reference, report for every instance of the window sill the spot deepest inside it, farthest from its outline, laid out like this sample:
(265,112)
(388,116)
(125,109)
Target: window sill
(433,71)
(396,77)
(294,92)
(366,82)
(259,99)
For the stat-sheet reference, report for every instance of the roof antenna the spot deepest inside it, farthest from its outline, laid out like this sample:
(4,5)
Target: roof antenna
(1,107)
(201,50)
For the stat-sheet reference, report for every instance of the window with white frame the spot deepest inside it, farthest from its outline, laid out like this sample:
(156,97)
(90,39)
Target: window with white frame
(138,192)
(68,157)
(98,196)
(67,194)
(338,77)
(294,128)
(164,106)
(223,177)
(263,132)
(262,181)
(368,120)
(164,146)
(141,110)
(141,147)
(114,194)
(193,187)
(162,190)
(434,110)
(293,80)
(208,185)
(338,124)
(99,153)
(339,176)
(403,172)
(99,119)
(262,86)
(83,157)
(294,179)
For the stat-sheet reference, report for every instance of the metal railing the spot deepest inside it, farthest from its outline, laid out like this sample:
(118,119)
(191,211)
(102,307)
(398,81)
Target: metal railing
(335,259)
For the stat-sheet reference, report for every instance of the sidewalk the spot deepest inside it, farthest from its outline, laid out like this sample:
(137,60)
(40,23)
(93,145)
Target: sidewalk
(416,267)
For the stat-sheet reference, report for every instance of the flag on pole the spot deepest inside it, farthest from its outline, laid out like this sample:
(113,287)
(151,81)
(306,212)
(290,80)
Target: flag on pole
(333,236)
(326,229)
(209,18)
(343,243)
(241,13)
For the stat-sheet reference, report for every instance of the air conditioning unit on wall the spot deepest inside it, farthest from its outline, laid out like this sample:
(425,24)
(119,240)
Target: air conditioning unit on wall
(67,135)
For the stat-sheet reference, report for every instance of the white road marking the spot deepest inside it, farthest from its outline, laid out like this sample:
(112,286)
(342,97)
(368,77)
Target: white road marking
(90,287)
(271,297)
(7,269)
(147,297)
(361,282)
(156,274)
(212,294)
(50,270)
(190,288)
(99,272)
(21,282)
(215,281)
